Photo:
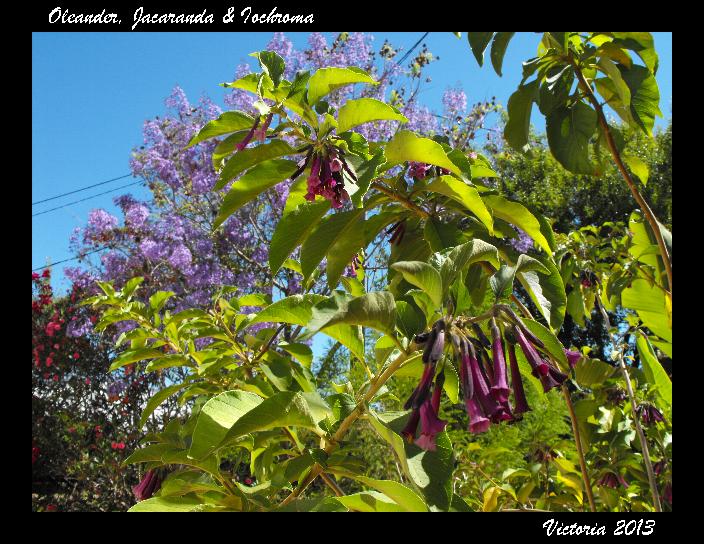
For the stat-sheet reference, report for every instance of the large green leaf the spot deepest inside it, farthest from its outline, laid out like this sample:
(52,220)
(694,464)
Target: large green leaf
(552,345)
(517,214)
(376,310)
(645,96)
(653,370)
(465,195)
(465,255)
(298,220)
(133,355)
(569,130)
(257,180)
(478,41)
(519,107)
(547,291)
(245,159)
(401,494)
(498,49)
(642,43)
(424,276)
(652,305)
(406,146)
(217,417)
(592,372)
(272,64)
(326,80)
(171,504)
(343,251)
(502,281)
(287,408)
(295,310)
(230,121)
(369,501)
(325,235)
(363,110)
(157,399)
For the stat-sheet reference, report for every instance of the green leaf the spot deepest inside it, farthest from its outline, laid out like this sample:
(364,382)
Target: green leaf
(323,237)
(451,385)
(569,130)
(651,304)
(424,276)
(363,110)
(406,146)
(133,355)
(409,319)
(502,281)
(376,310)
(343,251)
(619,85)
(465,195)
(498,49)
(326,80)
(366,172)
(217,417)
(592,372)
(402,495)
(257,180)
(272,64)
(369,501)
(158,299)
(645,96)
(547,291)
(298,220)
(302,352)
(517,214)
(642,43)
(169,504)
(552,345)
(157,399)
(295,310)
(653,370)
(638,167)
(519,107)
(246,158)
(478,41)
(465,255)
(287,408)
(230,121)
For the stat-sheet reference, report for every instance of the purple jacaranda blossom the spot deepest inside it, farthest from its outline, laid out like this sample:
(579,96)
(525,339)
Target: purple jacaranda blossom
(79,327)
(150,484)
(520,402)
(454,102)
(136,215)
(180,256)
(499,389)
(523,243)
(100,223)
(612,480)
(430,423)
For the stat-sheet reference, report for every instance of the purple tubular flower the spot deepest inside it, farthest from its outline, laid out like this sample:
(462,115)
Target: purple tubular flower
(481,390)
(540,367)
(430,423)
(313,179)
(521,404)
(466,372)
(420,393)
(260,133)
(481,336)
(477,422)
(302,165)
(667,493)
(249,136)
(573,357)
(612,480)
(500,388)
(659,467)
(150,484)
(648,414)
(409,431)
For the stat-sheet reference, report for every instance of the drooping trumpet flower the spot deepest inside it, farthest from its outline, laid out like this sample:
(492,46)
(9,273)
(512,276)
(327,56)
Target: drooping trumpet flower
(150,484)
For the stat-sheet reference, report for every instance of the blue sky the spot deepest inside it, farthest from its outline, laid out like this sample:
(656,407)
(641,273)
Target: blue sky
(91,93)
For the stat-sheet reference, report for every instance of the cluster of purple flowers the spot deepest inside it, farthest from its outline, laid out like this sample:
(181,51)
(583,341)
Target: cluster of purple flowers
(326,178)
(484,380)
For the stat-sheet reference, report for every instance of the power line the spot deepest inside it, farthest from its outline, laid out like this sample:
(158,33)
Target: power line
(87,198)
(412,48)
(81,189)
(67,260)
